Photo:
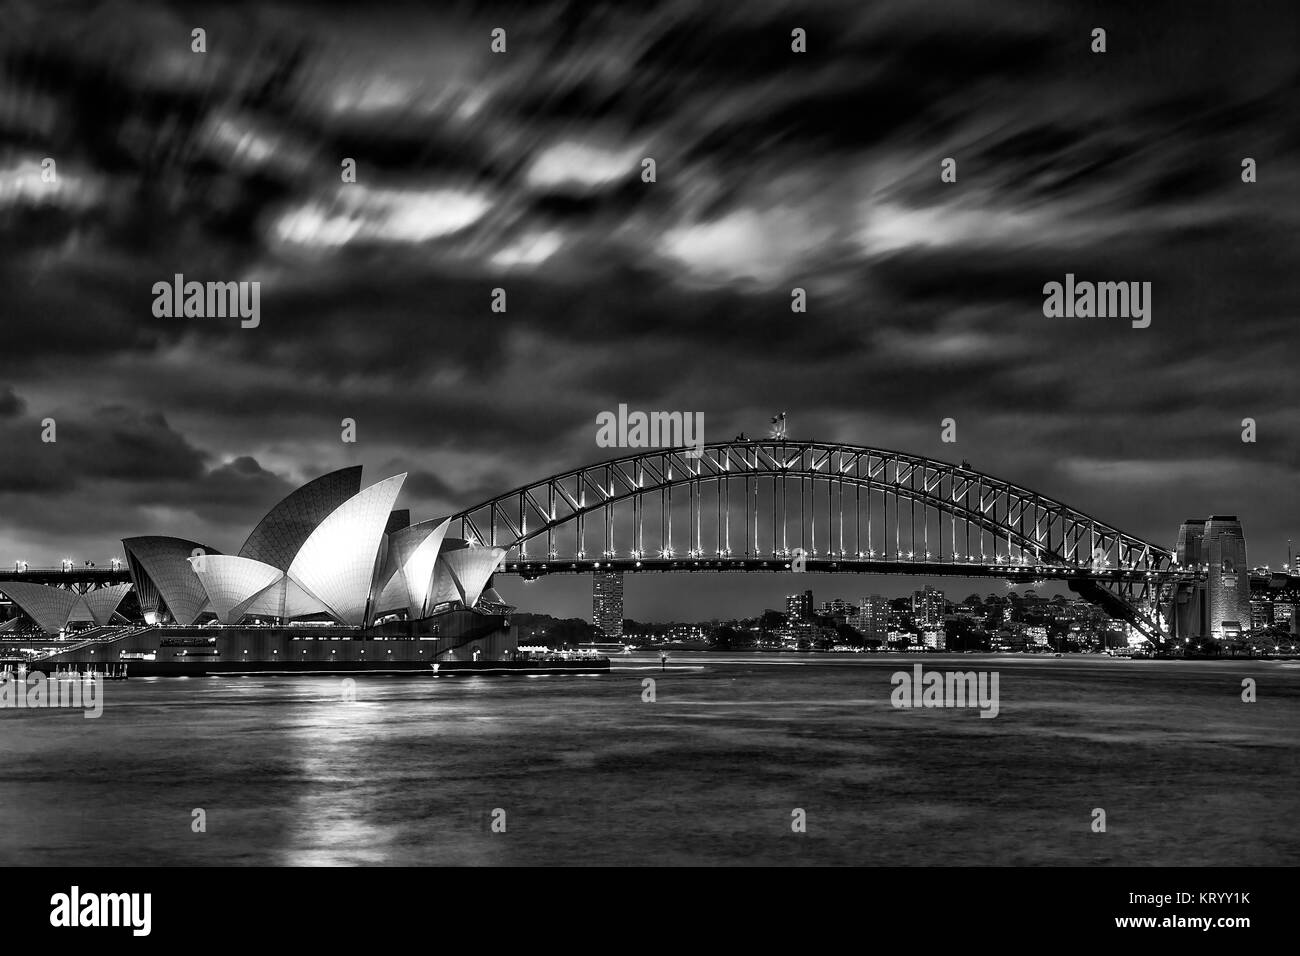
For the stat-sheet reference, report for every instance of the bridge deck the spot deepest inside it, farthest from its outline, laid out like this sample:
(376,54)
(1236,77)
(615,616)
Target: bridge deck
(527,568)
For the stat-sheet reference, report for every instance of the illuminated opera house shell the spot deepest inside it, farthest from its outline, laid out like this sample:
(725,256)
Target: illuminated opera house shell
(328,551)
(163,578)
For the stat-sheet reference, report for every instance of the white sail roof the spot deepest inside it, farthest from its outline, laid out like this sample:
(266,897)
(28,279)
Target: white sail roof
(336,564)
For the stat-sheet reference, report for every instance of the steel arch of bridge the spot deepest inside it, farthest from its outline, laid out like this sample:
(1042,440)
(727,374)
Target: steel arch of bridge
(993,527)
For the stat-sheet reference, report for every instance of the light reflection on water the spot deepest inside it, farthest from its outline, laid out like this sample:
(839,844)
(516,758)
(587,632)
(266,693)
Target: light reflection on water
(410,773)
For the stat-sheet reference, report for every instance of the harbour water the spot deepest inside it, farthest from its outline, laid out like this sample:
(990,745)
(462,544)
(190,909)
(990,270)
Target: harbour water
(415,770)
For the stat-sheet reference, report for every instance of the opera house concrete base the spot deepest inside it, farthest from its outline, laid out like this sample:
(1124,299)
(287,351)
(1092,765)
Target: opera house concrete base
(457,641)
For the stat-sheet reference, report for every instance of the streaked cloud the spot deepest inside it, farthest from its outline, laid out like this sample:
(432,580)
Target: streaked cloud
(581,166)
(362,213)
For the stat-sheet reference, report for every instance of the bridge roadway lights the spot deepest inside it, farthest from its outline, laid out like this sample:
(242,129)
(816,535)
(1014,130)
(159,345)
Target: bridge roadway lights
(1016,575)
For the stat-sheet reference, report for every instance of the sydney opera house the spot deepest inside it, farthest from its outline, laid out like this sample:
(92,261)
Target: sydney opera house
(332,575)
(330,551)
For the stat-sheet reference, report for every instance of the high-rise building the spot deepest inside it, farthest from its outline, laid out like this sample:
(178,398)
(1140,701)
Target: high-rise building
(928,606)
(607,602)
(1273,600)
(799,607)
(1261,611)
(874,617)
(836,608)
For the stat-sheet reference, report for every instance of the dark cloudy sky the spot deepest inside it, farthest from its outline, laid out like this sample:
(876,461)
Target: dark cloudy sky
(521,170)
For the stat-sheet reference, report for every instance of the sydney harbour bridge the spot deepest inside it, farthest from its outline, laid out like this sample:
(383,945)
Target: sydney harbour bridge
(787,506)
(781,505)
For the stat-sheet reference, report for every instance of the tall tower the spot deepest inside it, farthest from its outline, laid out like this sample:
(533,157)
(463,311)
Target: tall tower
(607,603)
(1224,549)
